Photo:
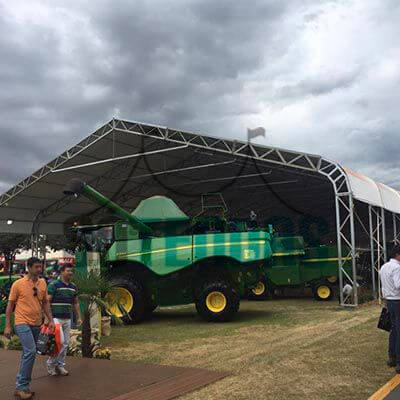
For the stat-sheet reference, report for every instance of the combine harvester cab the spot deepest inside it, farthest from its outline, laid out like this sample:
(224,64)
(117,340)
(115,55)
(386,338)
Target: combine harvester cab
(153,258)
(293,265)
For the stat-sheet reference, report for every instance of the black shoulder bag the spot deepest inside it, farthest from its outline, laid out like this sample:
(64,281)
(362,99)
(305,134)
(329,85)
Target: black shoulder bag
(384,322)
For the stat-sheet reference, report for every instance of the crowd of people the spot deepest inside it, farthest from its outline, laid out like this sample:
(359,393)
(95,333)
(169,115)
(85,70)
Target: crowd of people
(34,303)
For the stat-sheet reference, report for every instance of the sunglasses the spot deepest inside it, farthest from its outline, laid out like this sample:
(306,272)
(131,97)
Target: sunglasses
(35,291)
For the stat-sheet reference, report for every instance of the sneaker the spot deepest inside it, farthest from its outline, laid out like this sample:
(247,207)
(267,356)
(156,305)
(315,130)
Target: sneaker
(62,371)
(51,371)
(23,394)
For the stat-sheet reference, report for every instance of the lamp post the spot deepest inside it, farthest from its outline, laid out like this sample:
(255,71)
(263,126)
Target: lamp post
(7,259)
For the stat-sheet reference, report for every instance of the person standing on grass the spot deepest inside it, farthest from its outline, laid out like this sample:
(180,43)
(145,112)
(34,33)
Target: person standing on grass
(390,280)
(63,297)
(28,296)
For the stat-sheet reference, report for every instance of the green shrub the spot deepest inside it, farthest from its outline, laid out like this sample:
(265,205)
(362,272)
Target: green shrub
(14,344)
(1,344)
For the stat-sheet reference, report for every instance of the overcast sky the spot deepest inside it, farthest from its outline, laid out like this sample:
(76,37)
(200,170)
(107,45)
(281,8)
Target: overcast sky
(320,76)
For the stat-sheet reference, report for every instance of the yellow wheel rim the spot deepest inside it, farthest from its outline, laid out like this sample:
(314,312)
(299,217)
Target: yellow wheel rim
(332,279)
(119,297)
(259,289)
(323,292)
(216,302)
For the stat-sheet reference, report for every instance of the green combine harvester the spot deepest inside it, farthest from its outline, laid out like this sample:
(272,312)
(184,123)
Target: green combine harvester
(153,258)
(293,265)
(158,256)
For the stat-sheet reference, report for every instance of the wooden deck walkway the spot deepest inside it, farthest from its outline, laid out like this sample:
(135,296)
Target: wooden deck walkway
(93,379)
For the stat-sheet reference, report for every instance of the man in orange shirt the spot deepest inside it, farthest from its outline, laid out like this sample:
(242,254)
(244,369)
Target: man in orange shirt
(28,296)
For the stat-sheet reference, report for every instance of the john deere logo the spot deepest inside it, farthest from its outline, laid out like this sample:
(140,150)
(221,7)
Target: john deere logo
(248,254)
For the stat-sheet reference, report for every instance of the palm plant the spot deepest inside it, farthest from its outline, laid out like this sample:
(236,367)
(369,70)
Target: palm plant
(92,288)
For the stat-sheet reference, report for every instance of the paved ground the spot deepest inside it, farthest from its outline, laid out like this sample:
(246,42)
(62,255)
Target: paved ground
(106,380)
(394,395)
(389,391)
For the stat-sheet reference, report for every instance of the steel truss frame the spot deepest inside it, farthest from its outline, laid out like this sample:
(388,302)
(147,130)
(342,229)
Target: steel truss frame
(344,201)
(378,251)
(396,231)
(57,162)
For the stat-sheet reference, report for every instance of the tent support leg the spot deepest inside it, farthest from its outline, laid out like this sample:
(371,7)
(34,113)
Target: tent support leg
(372,250)
(384,235)
(353,251)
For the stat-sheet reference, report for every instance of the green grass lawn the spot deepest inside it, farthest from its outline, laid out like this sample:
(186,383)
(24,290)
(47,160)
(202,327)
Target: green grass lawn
(280,349)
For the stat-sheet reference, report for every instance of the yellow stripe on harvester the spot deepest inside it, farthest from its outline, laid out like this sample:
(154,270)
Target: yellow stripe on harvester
(123,255)
(289,253)
(326,259)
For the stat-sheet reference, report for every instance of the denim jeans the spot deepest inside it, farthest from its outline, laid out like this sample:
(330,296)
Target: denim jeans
(59,360)
(28,336)
(393,307)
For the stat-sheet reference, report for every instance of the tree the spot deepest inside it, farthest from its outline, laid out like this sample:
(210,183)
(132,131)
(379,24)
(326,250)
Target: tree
(92,288)
(11,244)
(61,242)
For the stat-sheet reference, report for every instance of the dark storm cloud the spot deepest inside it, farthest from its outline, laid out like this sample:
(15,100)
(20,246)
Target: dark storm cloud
(317,86)
(320,76)
(176,61)
(164,63)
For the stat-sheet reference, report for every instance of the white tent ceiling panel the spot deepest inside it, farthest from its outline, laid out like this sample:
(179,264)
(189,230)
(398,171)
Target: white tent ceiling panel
(390,198)
(17,213)
(73,209)
(16,227)
(364,188)
(36,202)
(44,189)
(51,228)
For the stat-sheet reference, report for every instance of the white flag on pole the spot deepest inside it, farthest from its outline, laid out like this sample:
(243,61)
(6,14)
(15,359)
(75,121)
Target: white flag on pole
(253,133)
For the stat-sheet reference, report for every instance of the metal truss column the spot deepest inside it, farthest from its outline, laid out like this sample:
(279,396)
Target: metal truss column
(396,234)
(372,251)
(345,231)
(353,251)
(346,249)
(384,235)
(378,245)
(34,245)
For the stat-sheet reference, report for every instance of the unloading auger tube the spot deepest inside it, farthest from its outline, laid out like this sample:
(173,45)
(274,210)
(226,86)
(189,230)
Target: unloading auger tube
(78,187)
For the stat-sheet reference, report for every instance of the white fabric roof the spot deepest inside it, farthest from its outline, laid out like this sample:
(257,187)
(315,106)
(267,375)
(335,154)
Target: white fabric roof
(375,193)
(109,160)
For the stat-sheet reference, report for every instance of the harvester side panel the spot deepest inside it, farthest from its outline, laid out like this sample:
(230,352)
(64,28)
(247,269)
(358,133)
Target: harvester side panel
(321,262)
(244,247)
(286,258)
(170,254)
(162,255)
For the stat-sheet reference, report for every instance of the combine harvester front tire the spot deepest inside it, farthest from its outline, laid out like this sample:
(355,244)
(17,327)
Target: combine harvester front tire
(129,294)
(217,302)
(323,291)
(261,292)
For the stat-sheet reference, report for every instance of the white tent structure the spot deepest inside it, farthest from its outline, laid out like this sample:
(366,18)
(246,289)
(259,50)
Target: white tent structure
(129,161)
